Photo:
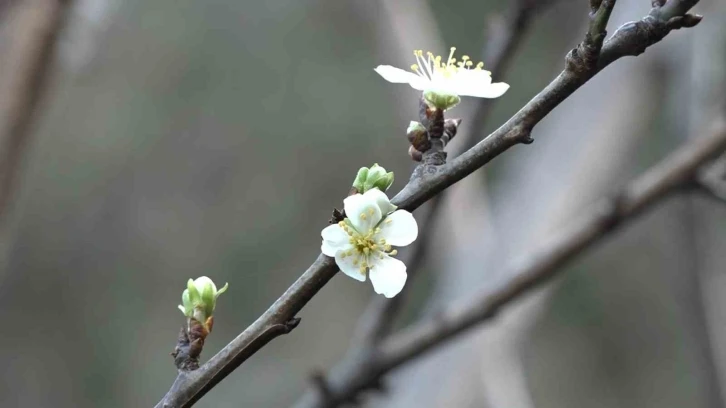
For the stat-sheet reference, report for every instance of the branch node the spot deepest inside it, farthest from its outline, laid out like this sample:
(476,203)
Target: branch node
(189,345)
(583,60)
(521,134)
(291,324)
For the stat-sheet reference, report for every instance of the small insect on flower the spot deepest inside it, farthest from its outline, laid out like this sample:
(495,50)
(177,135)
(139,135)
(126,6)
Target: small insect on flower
(443,83)
(362,243)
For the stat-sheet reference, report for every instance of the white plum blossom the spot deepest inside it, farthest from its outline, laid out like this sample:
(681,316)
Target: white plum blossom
(361,244)
(451,79)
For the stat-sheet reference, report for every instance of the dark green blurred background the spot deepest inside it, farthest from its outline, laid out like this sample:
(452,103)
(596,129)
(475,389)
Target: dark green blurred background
(185,138)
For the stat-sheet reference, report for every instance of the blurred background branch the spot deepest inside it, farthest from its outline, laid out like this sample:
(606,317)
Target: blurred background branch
(34,30)
(675,173)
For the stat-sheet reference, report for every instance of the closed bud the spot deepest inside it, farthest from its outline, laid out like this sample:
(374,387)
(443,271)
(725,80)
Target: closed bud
(415,154)
(360,179)
(450,128)
(418,136)
(373,177)
(199,300)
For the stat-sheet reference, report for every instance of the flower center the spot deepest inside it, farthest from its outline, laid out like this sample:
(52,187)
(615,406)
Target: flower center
(432,66)
(365,248)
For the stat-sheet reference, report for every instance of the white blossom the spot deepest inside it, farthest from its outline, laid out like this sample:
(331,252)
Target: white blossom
(362,243)
(450,79)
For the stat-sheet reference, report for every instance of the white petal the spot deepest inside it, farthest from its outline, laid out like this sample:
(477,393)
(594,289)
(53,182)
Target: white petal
(490,91)
(334,239)
(478,83)
(363,212)
(399,228)
(381,200)
(201,282)
(396,75)
(347,267)
(388,275)
(474,78)
(420,83)
(442,85)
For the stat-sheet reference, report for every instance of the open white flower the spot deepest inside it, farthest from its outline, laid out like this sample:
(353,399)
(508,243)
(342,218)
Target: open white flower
(362,242)
(451,79)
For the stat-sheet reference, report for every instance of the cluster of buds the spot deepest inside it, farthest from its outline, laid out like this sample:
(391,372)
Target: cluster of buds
(373,177)
(432,128)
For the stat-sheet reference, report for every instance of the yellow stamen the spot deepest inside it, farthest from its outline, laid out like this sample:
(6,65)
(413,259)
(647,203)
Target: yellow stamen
(451,56)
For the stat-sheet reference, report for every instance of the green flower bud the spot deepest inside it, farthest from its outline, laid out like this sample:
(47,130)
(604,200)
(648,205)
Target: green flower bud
(199,299)
(374,177)
(442,101)
(360,179)
(415,128)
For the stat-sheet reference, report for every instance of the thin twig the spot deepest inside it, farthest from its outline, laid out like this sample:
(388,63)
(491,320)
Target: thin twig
(426,181)
(539,266)
(36,25)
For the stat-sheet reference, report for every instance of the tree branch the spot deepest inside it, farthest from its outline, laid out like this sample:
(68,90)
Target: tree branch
(34,36)
(427,181)
(542,264)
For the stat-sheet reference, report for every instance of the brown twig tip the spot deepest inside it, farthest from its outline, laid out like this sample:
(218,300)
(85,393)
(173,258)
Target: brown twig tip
(337,216)
(686,21)
(189,345)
